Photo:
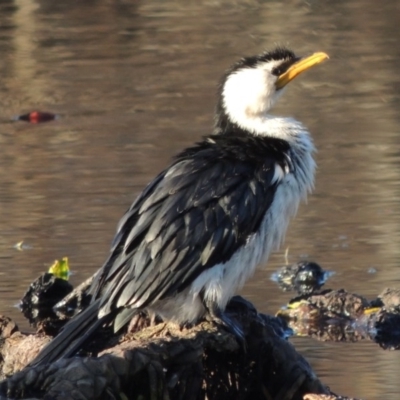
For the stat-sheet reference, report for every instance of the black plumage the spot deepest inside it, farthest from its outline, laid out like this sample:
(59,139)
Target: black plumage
(195,214)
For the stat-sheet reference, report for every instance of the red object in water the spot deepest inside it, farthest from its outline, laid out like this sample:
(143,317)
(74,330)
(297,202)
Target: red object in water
(36,117)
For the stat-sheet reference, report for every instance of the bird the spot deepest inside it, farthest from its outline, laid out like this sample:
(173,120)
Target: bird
(202,226)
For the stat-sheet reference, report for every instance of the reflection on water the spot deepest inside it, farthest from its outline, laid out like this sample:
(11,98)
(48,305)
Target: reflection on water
(134,82)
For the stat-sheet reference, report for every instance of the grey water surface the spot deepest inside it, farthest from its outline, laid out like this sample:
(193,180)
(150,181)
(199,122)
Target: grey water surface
(134,82)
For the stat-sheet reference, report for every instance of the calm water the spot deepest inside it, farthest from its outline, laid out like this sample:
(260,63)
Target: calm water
(134,82)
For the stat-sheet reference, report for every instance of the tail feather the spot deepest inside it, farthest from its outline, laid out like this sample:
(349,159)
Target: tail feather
(72,336)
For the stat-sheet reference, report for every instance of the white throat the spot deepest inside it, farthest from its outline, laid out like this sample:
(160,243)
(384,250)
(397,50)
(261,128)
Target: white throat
(247,97)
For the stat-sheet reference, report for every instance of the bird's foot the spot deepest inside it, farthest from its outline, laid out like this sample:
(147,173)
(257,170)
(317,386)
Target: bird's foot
(222,319)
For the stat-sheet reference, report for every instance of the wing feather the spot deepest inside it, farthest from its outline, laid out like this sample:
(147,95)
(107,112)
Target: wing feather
(195,214)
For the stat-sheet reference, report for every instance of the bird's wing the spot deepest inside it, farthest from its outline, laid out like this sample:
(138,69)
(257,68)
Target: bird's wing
(194,215)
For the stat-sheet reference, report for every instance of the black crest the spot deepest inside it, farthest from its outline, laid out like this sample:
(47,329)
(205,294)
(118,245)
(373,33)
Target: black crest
(279,54)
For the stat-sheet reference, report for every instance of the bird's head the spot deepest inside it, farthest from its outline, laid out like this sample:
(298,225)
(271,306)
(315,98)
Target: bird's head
(253,84)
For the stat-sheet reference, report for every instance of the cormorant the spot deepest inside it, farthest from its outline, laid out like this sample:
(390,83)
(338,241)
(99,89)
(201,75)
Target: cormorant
(201,227)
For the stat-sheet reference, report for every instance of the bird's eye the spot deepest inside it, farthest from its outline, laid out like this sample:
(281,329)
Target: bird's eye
(278,70)
(282,68)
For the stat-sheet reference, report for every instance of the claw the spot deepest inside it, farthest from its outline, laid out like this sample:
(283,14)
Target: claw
(221,318)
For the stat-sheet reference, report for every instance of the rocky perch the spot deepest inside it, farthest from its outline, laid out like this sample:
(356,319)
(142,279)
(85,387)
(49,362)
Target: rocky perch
(166,362)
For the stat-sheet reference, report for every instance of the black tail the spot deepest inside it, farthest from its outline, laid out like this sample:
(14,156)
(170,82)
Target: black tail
(72,336)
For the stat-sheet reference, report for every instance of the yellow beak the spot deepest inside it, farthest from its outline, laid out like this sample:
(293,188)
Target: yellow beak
(300,66)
